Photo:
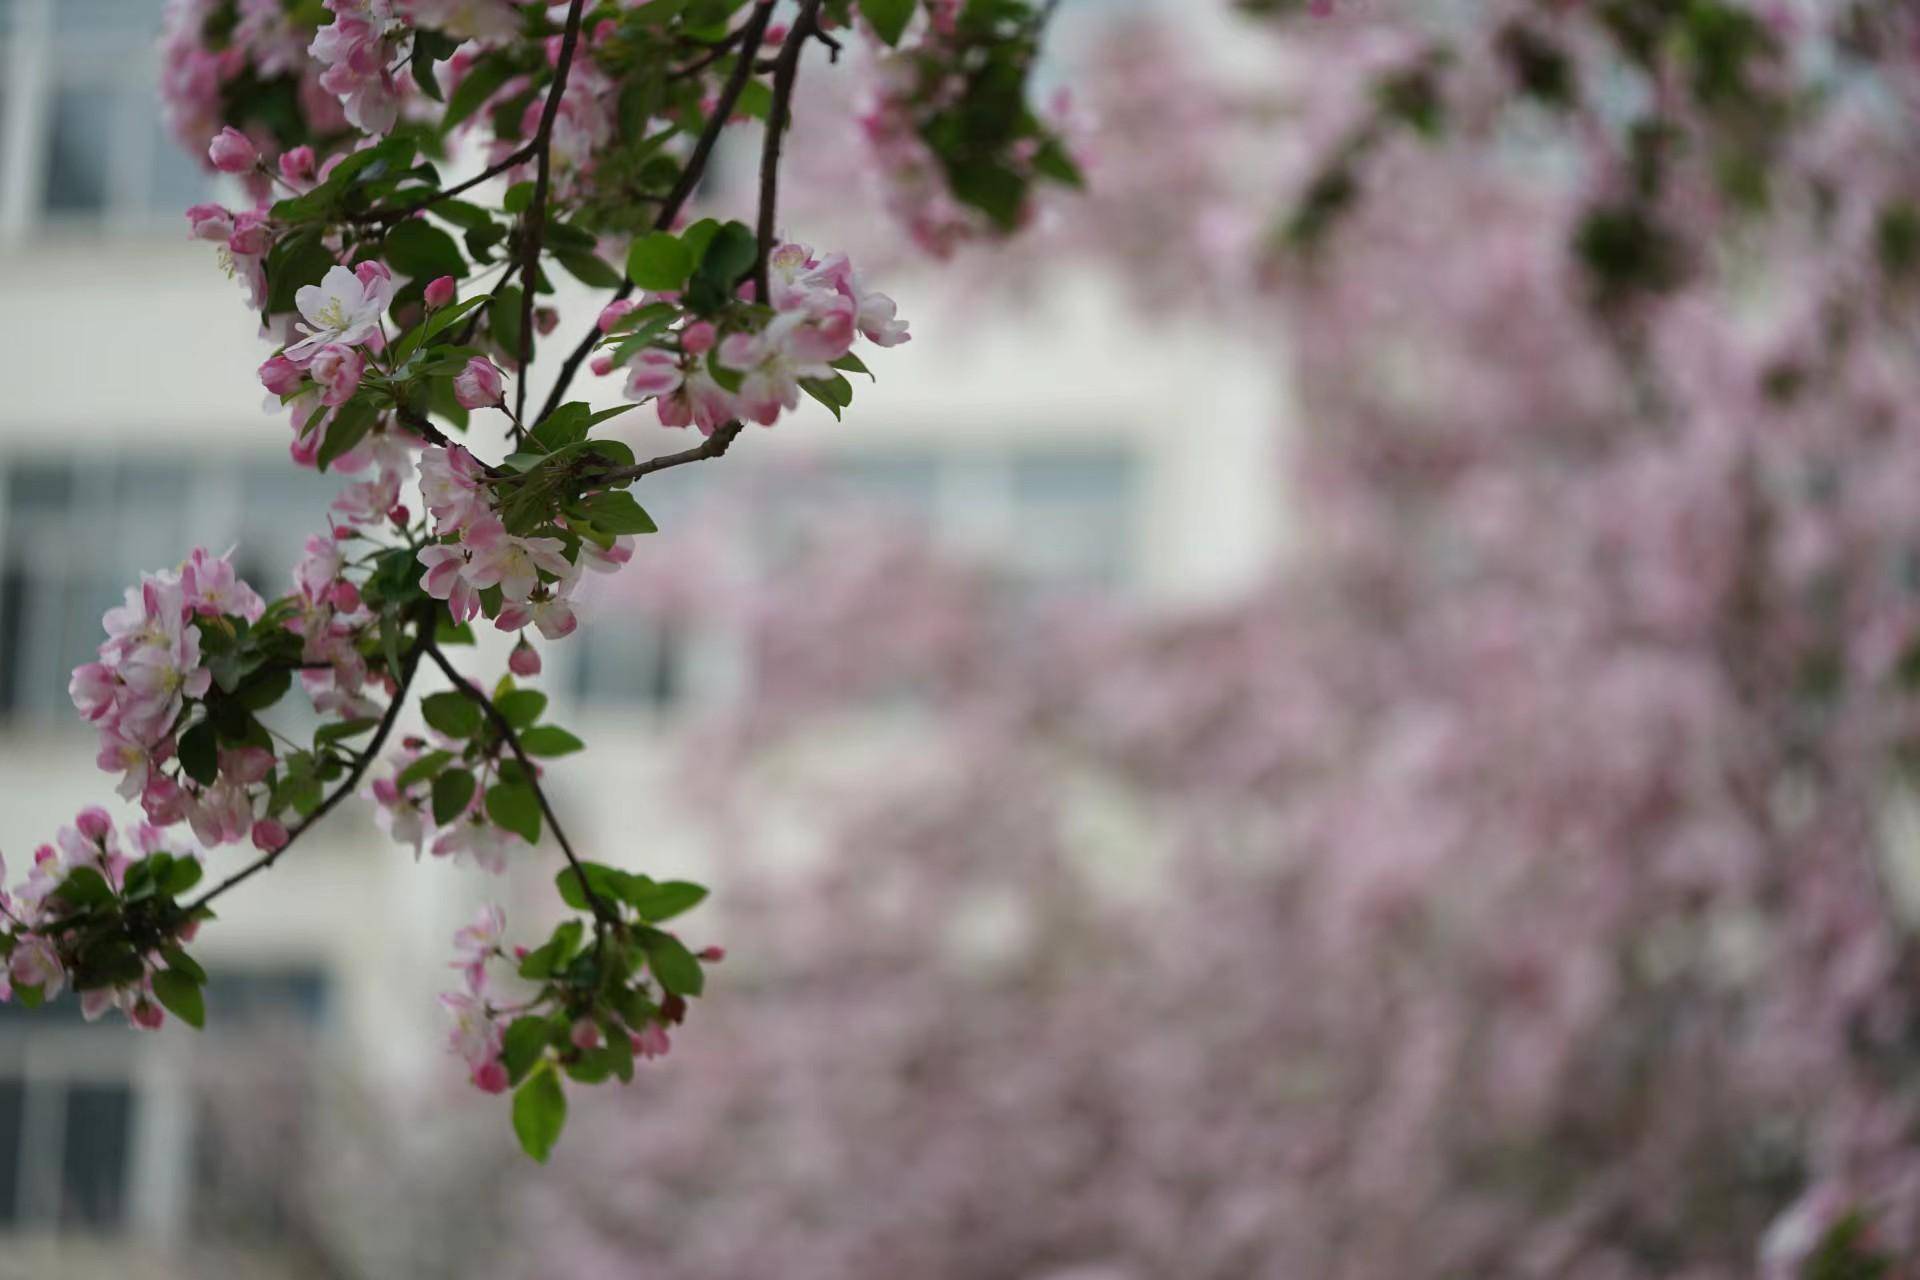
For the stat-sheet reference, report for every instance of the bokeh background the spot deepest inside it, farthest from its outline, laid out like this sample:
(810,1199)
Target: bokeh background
(1391,771)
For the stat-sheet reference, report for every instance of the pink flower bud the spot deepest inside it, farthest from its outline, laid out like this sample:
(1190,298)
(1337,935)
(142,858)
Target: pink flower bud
(524,660)
(713,955)
(296,166)
(94,823)
(585,1035)
(338,370)
(145,1014)
(602,365)
(440,292)
(232,152)
(545,320)
(280,375)
(269,835)
(344,596)
(400,516)
(697,338)
(210,222)
(478,385)
(490,1077)
(614,312)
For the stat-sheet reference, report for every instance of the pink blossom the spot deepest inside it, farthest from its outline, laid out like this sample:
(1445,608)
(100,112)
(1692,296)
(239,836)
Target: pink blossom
(232,151)
(344,308)
(439,292)
(478,386)
(337,369)
(281,376)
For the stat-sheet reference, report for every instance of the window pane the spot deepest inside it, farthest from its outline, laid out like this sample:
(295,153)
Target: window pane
(12,1101)
(94,1165)
(81,130)
(130,17)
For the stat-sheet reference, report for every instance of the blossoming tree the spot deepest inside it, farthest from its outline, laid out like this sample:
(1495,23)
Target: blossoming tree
(405,319)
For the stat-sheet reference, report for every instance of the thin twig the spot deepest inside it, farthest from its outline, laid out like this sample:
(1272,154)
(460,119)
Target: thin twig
(601,908)
(409,665)
(752,34)
(785,72)
(716,445)
(376,216)
(533,222)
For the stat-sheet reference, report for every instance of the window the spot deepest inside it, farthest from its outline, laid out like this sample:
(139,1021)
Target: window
(75,532)
(1050,516)
(97,1125)
(82,140)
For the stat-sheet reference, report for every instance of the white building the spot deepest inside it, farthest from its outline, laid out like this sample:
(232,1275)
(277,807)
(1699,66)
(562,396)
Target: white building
(131,430)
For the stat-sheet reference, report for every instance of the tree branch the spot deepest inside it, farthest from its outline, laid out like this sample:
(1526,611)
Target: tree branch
(533,223)
(752,34)
(602,910)
(786,72)
(716,445)
(409,666)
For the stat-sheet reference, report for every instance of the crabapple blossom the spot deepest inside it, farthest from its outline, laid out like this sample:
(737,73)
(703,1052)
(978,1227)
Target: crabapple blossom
(439,292)
(232,151)
(344,309)
(478,385)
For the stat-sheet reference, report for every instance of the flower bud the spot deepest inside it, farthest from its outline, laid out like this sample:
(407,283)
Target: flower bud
(280,375)
(478,385)
(232,151)
(296,166)
(440,292)
(524,660)
(697,338)
(146,1015)
(269,836)
(545,320)
(94,823)
(585,1035)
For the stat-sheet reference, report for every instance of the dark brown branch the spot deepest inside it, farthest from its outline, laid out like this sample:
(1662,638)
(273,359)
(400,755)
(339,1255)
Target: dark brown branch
(376,216)
(752,34)
(409,666)
(533,223)
(716,445)
(785,73)
(602,910)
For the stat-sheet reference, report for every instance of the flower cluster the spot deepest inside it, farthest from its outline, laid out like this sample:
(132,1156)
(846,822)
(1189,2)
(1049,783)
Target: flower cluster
(359,50)
(700,373)
(587,1003)
(85,872)
(149,671)
(949,183)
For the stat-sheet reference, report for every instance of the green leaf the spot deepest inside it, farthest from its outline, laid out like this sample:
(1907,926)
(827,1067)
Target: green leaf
(265,689)
(423,768)
(673,964)
(521,707)
(199,753)
(659,262)
(184,963)
(522,1045)
(539,1112)
(550,740)
(182,875)
(888,18)
(430,47)
(181,997)
(515,807)
(342,729)
(84,887)
(503,317)
(617,512)
(452,713)
(452,792)
(657,902)
(347,428)
(853,364)
(730,255)
(588,269)
(564,426)
(418,249)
